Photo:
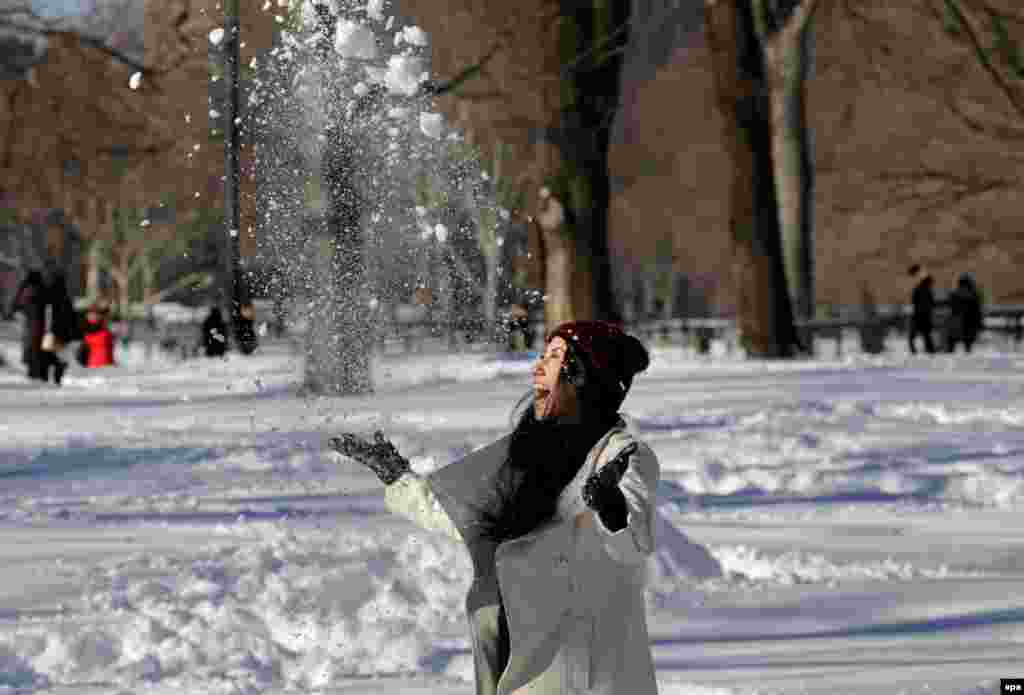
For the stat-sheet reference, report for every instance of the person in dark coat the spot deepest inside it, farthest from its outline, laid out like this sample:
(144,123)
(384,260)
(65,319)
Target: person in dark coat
(245,337)
(30,300)
(63,324)
(558,518)
(923,300)
(214,334)
(965,320)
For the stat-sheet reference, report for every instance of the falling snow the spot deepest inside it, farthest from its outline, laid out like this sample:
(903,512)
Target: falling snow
(431,125)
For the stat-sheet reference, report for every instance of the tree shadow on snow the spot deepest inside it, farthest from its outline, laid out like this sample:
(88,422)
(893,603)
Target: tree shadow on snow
(898,628)
(88,461)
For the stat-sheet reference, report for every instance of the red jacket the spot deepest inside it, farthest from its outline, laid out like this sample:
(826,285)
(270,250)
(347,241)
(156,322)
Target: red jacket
(101,346)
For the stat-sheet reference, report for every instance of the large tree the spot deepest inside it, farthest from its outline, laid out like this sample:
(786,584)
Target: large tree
(572,222)
(742,82)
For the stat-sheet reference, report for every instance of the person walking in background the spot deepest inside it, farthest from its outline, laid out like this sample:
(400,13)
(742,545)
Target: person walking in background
(97,348)
(30,300)
(214,334)
(923,300)
(558,518)
(62,326)
(966,319)
(246,329)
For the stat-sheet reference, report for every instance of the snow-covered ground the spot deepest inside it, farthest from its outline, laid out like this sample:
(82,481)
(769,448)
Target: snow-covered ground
(178,527)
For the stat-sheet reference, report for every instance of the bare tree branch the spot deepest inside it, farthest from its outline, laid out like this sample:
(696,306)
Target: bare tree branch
(24,19)
(953,190)
(993,131)
(1014,15)
(431,88)
(804,14)
(1015,98)
(12,99)
(789,26)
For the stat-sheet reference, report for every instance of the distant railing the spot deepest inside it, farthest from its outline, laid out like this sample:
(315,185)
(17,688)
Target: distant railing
(698,333)
(404,337)
(1005,319)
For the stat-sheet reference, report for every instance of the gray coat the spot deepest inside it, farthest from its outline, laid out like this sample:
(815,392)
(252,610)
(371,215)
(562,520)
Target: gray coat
(572,589)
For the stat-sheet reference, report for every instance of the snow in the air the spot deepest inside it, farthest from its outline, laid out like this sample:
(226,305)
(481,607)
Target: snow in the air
(412,35)
(432,125)
(847,525)
(355,40)
(404,74)
(375,9)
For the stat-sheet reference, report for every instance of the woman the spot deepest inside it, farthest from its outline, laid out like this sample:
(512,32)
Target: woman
(558,519)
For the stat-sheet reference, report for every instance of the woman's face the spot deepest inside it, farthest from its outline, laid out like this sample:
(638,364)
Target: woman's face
(551,398)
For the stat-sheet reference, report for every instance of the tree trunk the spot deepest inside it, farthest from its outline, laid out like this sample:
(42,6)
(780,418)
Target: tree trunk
(341,332)
(490,225)
(491,291)
(150,292)
(764,312)
(558,261)
(577,271)
(92,273)
(122,274)
(234,279)
(788,62)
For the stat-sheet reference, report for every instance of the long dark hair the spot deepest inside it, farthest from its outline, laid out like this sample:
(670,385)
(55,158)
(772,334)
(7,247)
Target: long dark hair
(543,457)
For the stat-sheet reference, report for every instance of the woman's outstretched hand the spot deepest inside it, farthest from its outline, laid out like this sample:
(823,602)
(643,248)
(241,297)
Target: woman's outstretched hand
(602,494)
(381,456)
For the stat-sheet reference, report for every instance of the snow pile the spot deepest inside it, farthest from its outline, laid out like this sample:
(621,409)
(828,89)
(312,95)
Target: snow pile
(683,688)
(179,527)
(16,675)
(808,568)
(261,607)
(1001,488)
(944,414)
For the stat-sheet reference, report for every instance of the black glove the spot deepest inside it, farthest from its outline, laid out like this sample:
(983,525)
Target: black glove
(602,494)
(381,456)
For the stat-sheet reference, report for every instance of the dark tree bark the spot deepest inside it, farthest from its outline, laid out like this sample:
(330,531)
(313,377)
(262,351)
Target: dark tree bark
(784,32)
(764,310)
(235,290)
(574,232)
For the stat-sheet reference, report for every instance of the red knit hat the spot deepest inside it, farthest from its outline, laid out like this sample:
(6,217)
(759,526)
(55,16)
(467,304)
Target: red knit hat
(610,355)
